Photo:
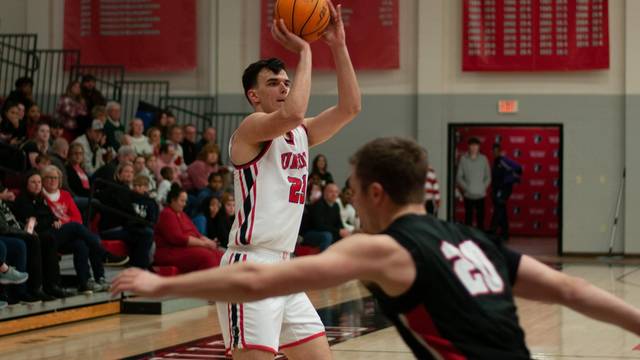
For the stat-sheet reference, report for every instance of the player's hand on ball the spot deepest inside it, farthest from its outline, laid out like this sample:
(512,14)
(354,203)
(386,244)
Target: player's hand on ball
(286,38)
(334,34)
(137,281)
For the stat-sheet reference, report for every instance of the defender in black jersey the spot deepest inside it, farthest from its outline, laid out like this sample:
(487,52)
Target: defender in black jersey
(446,287)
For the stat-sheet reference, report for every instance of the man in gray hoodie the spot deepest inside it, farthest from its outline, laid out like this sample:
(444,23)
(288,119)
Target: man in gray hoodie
(474,177)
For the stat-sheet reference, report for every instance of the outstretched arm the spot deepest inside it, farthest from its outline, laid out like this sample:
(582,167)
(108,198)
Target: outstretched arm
(326,124)
(364,257)
(537,281)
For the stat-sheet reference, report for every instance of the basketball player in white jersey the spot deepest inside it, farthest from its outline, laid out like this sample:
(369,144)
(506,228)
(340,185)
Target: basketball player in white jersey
(270,150)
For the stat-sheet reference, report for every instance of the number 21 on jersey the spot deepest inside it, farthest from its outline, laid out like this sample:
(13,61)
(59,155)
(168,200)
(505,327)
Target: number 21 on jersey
(472,267)
(298,190)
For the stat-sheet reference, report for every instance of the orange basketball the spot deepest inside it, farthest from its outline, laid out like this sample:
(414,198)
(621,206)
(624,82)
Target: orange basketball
(305,18)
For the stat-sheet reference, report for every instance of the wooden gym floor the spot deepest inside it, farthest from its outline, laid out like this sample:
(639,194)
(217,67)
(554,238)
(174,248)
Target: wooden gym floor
(355,327)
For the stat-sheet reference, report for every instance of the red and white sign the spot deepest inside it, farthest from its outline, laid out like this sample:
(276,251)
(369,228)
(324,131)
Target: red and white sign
(535,35)
(142,35)
(371,28)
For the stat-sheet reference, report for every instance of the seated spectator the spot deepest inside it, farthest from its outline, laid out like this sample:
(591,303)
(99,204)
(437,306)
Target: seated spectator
(31,204)
(140,169)
(99,112)
(23,92)
(166,158)
(137,235)
(92,143)
(224,220)
(13,251)
(161,122)
(314,193)
(32,118)
(72,109)
(113,127)
(209,136)
(36,250)
(319,168)
(126,154)
(347,211)
(325,225)
(178,242)
(69,223)
(78,179)
(168,179)
(137,139)
(175,138)
(42,161)
(215,188)
(204,219)
(91,95)
(38,145)
(13,130)
(197,175)
(155,139)
(189,143)
(58,152)
(57,131)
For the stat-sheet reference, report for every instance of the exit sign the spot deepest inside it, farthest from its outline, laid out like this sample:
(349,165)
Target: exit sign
(508,106)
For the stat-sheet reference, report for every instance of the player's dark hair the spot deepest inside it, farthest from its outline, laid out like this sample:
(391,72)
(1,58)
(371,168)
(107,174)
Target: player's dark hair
(250,75)
(398,165)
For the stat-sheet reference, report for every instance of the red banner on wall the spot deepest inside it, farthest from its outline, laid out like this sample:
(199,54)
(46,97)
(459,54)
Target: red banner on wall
(142,35)
(533,206)
(535,35)
(371,27)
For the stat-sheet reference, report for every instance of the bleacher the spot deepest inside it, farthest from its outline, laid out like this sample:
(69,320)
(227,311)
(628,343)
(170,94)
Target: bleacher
(51,71)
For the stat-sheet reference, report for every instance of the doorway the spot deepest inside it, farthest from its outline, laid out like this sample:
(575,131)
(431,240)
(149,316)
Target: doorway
(534,208)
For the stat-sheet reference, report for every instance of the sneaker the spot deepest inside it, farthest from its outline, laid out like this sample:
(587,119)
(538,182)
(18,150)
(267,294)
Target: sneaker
(101,285)
(115,260)
(57,291)
(13,276)
(43,296)
(86,289)
(29,299)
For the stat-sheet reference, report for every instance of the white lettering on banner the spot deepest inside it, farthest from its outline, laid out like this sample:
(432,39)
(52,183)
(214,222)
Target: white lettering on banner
(553,225)
(554,139)
(554,168)
(553,197)
(537,211)
(516,225)
(517,139)
(518,196)
(538,154)
(537,182)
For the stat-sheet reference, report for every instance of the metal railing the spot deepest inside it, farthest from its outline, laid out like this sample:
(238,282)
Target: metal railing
(108,78)
(16,59)
(51,76)
(225,124)
(135,91)
(190,109)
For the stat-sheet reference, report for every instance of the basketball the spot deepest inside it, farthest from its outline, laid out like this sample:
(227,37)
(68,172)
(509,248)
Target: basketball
(305,18)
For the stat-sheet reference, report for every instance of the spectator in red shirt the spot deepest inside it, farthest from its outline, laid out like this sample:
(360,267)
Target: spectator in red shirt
(178,242)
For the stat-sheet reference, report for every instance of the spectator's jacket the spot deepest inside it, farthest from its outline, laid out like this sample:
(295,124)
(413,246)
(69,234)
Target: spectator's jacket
(505,173)
(325,217)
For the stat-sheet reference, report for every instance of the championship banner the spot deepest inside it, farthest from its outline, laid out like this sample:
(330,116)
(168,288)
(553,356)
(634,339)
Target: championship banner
(533,206)
(372,33)
(535,35)
(142,35)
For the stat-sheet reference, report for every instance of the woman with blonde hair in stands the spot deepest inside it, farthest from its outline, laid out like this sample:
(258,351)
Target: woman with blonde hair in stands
(69,225)
(154,135)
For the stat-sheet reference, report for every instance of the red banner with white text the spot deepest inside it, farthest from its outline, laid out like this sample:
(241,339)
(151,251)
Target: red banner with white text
(533,206)
(371,28)
(142,35)
(535,35)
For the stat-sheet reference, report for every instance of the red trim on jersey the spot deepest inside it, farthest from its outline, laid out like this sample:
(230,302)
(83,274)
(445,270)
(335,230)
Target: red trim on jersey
(421,324)
(305,129)
(302,341)
(291,141)
(229,312)
(255,201)
(241,207)
(260,347)
(244,343)
(264,150)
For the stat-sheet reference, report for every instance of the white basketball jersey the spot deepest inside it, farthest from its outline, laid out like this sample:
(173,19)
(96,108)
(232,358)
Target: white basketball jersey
(270,194)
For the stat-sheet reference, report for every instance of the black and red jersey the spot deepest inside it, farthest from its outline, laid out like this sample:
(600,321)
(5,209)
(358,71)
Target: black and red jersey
(460,305)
